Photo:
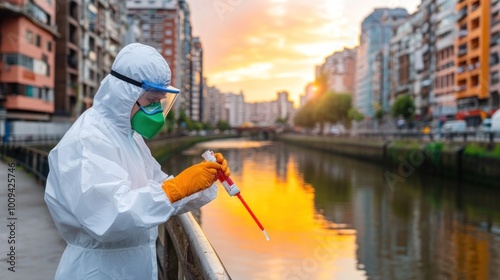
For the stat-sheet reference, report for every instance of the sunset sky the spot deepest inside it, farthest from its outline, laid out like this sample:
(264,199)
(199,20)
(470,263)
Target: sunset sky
(264,46)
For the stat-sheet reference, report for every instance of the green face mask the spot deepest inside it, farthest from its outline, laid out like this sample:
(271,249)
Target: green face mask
(149,120)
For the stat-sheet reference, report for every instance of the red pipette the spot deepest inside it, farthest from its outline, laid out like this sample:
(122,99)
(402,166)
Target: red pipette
(233,190)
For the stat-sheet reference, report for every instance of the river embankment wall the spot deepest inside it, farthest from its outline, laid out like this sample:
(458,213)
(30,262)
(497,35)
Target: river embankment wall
(472,162)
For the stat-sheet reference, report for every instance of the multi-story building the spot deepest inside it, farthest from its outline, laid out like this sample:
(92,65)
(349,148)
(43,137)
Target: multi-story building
(403,64)
(376,32)
(134,30)
(234,109)
(196,93)
(494,79)
(92,33)
(425,61)
(27,60)
(310,90)
(472,60)
(160,29)
(340,70)
(212,105)
(444,78)
(285,108)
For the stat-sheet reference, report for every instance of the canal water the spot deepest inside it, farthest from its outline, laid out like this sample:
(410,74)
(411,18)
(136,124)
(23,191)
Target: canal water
(332,217)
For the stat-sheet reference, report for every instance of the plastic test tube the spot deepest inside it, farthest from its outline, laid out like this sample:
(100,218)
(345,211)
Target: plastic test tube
(232,189)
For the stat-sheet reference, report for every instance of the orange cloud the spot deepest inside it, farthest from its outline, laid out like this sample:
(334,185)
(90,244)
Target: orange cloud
(262,47)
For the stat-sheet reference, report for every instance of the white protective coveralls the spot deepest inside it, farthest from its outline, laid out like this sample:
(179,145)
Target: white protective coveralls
(104,189)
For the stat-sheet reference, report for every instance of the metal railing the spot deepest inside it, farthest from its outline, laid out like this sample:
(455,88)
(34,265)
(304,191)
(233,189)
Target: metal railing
(183,251)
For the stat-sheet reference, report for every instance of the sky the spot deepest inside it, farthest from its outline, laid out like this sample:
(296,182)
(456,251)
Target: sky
(261,47)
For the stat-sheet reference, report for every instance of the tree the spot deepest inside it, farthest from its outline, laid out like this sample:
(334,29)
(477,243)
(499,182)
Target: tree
(223,125)
(305,116)
(334,107)
(404,106)
(355,115)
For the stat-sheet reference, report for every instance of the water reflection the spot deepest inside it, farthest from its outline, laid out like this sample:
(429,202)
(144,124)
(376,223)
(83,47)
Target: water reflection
(330,217)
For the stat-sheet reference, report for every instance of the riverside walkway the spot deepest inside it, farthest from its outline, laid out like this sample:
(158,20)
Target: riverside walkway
(38,246)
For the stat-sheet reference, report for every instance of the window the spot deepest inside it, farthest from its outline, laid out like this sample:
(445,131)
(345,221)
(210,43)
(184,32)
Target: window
(30,37)
(475,23)
(38,40)
(168,41)
(49,46)
(168,52)
(168,32)
(495,78)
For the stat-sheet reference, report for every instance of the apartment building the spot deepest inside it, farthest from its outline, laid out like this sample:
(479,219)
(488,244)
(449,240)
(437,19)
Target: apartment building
(472,60)
(92,33)
(196,93)
(494,79)
(402,53)
(340,70)
(212,105)
(27,54)
(309,91)
(376,32)
(445,69)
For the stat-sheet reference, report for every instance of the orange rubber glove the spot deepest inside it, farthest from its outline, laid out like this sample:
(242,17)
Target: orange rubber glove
(193,179)
(222,161)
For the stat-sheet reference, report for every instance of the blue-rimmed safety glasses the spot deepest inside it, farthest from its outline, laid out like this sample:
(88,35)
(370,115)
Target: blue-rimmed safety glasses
(153,102)
(151,109)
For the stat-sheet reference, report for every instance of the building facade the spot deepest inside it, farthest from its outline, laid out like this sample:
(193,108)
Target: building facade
(376,32)
(195,106)
(92,33)
(494,79)
(444,80)
(339,70)
(27,60)
(472,60)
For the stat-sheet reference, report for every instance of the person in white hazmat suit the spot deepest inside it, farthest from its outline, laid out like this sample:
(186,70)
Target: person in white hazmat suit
(105,191)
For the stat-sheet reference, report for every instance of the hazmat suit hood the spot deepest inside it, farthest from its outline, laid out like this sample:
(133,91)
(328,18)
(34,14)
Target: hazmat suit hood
(115,98)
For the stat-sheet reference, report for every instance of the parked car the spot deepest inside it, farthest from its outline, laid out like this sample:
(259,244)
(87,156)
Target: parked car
(486,125)
(456,126)
(495,121)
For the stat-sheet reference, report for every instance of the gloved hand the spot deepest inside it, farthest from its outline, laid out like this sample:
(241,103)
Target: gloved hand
(193,179)
(222,161)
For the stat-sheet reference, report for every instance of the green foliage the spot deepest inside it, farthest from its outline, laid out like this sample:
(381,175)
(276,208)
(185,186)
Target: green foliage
(355,115)
(475,149)
(334,107)
(329,107)
(404,106)
(281,121)
(434,151)
(182,118)
(379,114)
(223,125)
(305,116)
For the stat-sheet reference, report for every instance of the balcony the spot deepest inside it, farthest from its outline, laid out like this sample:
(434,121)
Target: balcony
(19,102)
(461,14)
(462,51)
(462,33)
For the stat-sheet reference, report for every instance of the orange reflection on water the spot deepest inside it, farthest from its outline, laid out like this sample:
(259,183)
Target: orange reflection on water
(301,246)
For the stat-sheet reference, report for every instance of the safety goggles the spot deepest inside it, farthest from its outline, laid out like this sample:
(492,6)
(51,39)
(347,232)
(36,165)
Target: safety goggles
(152,102)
